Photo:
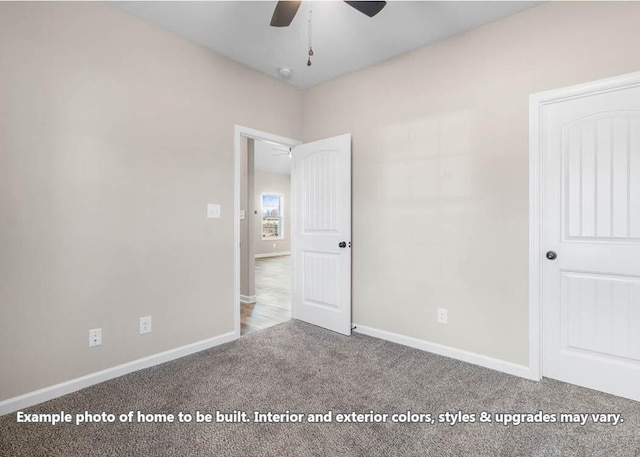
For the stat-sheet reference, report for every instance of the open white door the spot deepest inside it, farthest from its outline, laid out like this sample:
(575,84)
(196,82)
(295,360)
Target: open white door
(321,228)
(591,239)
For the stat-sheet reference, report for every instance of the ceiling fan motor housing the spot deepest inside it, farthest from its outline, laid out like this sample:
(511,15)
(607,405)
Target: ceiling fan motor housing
(285,11)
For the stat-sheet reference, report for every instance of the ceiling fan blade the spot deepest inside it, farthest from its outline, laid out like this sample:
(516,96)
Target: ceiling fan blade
(368,8)
(280,152)
(284,13)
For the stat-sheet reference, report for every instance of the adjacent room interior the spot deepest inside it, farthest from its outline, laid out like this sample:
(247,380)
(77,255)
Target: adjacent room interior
(265,235)
(152,253)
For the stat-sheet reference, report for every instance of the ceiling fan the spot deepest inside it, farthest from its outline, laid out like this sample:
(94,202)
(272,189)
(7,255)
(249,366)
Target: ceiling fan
(276,152)
(285,11)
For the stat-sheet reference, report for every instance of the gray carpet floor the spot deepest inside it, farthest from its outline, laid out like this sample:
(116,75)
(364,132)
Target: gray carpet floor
(301,368)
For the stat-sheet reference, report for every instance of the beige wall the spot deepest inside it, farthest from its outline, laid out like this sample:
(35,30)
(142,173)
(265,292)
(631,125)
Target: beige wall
(440,168)
(273,183)
(247,244)
(114,135)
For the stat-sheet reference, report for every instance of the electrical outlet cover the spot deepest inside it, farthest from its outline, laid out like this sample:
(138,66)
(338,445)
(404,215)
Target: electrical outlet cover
(95,337)
(145,325)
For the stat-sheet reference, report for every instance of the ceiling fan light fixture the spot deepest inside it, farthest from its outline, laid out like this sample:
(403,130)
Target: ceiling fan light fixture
(285,72)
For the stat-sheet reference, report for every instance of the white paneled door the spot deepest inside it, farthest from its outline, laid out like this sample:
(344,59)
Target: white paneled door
(321,227)
(591,240)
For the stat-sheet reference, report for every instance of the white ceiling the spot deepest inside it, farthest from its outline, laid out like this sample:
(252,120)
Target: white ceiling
(271,159)
(343,39)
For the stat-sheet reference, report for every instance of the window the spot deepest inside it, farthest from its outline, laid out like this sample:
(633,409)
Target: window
(272,228)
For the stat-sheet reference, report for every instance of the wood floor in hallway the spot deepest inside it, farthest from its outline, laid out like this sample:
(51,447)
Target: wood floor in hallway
(273,293)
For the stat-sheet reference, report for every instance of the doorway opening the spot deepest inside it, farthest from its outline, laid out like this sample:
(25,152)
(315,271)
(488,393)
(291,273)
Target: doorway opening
(263,230)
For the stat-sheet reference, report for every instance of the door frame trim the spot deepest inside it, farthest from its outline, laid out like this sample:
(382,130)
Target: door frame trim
(537,103)
(240,131)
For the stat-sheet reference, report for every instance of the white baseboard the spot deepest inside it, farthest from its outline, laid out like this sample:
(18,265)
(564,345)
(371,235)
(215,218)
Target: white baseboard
(470,357)
(48,393)
(272,254)
(248,298)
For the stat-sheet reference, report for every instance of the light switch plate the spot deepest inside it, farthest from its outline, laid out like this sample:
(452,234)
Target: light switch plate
(213,211)
(243,215)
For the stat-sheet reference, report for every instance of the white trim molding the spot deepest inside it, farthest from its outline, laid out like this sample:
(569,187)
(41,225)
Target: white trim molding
(458,354)
(248,299)
(48,393)
(272,254)
(537,103)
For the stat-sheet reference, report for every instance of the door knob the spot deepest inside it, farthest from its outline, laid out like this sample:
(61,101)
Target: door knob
(342,244)
(551,255)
